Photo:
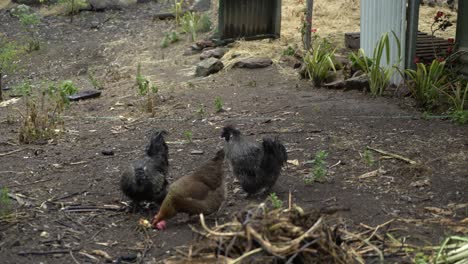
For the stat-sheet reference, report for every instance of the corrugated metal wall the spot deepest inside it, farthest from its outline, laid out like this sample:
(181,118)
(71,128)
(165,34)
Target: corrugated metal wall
(378,17)
(249,19)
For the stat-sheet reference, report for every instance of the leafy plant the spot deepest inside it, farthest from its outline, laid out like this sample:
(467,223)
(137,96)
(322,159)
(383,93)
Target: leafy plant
(43,107)
(275,201)
(188,135)
(458,95)
(204,24)
(145,89)
(359,61)
(72,7)
(177,10)
(218,103)
(8,54)
(379,77)
(190,24)
(201,110)
(169,38)
(29,20)
(426,82)
(4,201)
(368,157)
(289,51)
(319,169)
(319,61)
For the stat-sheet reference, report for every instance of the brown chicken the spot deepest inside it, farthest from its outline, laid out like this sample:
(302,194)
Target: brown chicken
(201,192)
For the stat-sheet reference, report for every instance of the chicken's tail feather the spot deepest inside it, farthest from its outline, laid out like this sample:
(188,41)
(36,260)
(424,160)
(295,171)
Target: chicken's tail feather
(274,148)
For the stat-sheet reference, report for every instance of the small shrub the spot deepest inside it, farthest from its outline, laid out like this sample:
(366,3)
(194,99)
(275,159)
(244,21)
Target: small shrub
(426,82)
(368,157)
(190,24)
(8,54)
(43,108)
(319,61)
(275,201)
(29,21)
(201,111)
(5,205)
(458,95)
(145,89)
(379,77)
(204,24)
(319,169)
(289,51)
(218,103)
(188,136)
(169,38)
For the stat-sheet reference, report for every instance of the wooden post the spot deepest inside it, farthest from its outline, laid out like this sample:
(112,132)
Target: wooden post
(307,35)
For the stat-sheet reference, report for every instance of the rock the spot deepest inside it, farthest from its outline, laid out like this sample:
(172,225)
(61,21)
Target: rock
(110,4)
(108,152)
(201,5)
(357,83)
(208,66)
(217,53)
(85,94)
(352,40)
(205,44)
(402,91)
(253,63)
(129,257)
(291,61)
(196,47)
(336,84)
(197,152)
(190,52)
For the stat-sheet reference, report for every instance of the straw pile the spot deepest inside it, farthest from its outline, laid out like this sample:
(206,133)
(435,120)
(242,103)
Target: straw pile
(262,234)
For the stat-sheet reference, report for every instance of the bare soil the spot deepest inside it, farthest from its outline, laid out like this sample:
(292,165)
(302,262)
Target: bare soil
(50,179)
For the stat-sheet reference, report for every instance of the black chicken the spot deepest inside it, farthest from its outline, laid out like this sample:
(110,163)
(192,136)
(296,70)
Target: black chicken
(256,166)
(145,179)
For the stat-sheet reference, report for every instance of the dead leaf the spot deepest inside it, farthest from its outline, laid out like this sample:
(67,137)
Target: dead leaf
(101,253)
(438,211)
(294,162)
(374,173)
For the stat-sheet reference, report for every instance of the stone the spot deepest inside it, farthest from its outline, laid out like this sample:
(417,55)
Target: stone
(253,63)
(208,66)
(201,5)
(110,4)
(336,84)
(357,83)
(190,52)
(108,152)
(291,61)
(205,44)
(217,53)
(352,40)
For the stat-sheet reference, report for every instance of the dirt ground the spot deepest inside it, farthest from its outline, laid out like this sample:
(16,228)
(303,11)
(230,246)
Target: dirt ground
(52,181)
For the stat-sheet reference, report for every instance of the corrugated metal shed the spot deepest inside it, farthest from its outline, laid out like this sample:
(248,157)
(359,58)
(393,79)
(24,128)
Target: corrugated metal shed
(462,33)
(249,19)
(379,17)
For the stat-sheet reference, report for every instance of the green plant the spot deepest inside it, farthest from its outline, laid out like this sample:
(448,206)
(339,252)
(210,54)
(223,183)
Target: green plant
(94,81)
(72,7)
(201,110)
(359,61)
(204,24)
(319,169)
(421,258)
(458,95)
(368,157)
(29,20)
(43,107)
(218,103)
(319,61)
(289,51)
(188,136)
(4,202)
(169,38)
(426,83)
(145,89)
(8,54)
(453,250)
(275,201)
(177,10)
(379,76)
(190,24)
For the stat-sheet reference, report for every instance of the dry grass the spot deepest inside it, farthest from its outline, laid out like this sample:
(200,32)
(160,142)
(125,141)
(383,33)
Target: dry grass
(4,3)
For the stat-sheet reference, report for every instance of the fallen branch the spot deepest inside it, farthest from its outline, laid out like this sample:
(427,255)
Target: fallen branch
(11,152)
(214,233)
(58,251)
(373,173)
(395,156)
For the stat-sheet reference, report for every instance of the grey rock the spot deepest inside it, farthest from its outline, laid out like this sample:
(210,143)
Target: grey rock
(357,83)
(291,61)
(208,66)
(253,63)
(336,84)
(110,4)
(217,53)
(201,5)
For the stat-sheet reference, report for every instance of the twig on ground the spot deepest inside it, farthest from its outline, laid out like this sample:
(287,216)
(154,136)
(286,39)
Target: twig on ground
(396,156)
(58,251)
(11,152)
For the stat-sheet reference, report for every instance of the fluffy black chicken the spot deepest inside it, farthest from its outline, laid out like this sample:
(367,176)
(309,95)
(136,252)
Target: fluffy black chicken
(256,166)
(145,179)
